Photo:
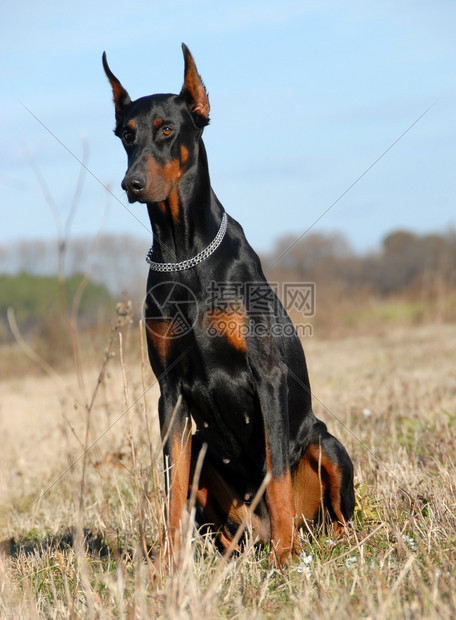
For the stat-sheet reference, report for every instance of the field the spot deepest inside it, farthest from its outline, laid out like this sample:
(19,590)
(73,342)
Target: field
(74,529)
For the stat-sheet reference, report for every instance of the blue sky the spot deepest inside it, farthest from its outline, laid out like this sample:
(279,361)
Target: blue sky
(305,96)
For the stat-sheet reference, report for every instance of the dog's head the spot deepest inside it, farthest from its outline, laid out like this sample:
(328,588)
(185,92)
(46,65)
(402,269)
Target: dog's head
(160,133)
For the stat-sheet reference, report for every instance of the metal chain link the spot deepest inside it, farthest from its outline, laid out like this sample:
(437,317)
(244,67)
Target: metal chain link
(195,260)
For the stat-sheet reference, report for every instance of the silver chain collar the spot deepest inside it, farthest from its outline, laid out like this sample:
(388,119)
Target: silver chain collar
(195,260)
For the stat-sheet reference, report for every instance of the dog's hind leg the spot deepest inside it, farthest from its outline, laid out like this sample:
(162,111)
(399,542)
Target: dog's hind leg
(323,482)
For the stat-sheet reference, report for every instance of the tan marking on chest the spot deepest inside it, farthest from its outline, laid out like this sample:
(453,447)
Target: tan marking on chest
(158,333)
(231,326)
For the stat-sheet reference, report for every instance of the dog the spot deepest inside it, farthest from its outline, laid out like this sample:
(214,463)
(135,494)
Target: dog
(234,369)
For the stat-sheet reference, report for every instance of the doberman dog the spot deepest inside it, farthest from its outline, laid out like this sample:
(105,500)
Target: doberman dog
(234,371)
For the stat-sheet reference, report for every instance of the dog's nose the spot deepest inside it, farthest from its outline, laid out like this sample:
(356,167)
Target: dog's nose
(134,184)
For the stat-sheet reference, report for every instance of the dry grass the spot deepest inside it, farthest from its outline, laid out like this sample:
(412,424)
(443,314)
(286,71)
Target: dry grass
(390,399)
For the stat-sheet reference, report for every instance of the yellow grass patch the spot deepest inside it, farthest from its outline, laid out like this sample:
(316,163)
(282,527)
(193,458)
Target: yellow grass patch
(390,399)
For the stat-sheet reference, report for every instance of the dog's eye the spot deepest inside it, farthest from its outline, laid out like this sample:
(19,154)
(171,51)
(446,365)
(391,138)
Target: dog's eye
(167,131)
(128,136)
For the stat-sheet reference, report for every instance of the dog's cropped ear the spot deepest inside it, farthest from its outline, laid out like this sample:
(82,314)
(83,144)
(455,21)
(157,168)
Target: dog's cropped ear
(193,91)
(120,95)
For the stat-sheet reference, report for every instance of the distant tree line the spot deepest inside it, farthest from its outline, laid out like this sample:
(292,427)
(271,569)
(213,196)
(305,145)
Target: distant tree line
(405,263)
(114,261)
(40,280)
(42,304)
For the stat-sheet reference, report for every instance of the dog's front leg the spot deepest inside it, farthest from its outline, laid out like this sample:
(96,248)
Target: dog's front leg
(279,493)
(177,437)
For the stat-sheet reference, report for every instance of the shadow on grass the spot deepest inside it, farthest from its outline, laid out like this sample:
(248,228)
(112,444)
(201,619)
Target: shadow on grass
(94,544)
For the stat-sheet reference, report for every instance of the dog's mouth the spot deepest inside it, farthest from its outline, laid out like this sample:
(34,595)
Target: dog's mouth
(135,198)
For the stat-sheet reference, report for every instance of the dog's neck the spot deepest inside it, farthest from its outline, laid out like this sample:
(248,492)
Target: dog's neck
(188,220)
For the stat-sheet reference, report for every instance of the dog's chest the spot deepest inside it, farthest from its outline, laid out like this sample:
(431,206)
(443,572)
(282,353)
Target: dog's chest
(223,406)
(226,427)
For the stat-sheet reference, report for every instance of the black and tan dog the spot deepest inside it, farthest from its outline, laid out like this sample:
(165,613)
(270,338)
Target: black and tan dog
(238,371)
